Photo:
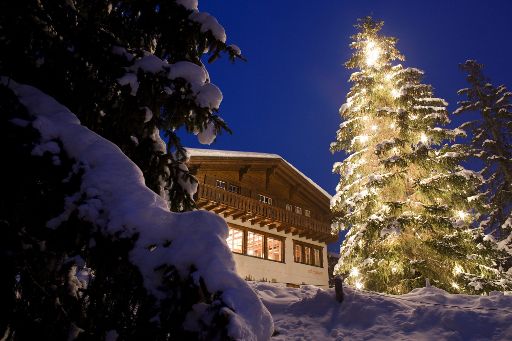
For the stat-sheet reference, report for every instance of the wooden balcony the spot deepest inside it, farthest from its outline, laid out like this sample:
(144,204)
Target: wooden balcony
(245,208)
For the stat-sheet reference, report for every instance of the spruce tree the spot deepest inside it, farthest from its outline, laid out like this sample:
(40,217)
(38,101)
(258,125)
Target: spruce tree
(129,69)
(406,201)
(491,143)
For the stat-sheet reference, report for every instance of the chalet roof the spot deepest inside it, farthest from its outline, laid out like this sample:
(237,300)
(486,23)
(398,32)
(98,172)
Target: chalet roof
(237,154)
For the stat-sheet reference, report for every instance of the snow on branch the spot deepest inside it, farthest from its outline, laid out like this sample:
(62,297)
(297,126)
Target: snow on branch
(128,208)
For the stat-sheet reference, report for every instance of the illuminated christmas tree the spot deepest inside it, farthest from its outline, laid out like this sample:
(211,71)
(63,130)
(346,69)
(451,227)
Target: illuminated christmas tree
(408,204)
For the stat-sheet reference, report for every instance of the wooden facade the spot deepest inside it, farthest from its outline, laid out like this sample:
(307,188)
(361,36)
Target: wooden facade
(236,187)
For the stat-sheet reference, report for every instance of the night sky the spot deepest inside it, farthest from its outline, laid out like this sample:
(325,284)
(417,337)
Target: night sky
(285,98)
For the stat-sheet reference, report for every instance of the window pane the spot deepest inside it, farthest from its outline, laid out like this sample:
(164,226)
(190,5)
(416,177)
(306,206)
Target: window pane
(235,240)
(298,253)
(298,210)
(220,184)
(274,249)
(234,188)
(307,213)
(255,244)
(307,255)
(317,257)
(289,207)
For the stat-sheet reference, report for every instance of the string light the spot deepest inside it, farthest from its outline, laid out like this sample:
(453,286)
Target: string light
(455,286)
(462,215)
(392,125)
(354,272)
(359,285)
(372,52)
(374,127)
(395,93)
(457,269)
(423,138)
(363,138)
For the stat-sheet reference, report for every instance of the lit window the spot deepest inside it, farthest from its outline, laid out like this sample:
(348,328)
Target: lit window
(255,244)
(264,199)
(235,240)
(298,210)
(289,207)
(317,257)
(274,249)
(220,184)
(234,188)
(307,213)
(307,255)
(298,253)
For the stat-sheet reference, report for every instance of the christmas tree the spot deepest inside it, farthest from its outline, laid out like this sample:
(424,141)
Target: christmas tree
(491,143)
(408,204)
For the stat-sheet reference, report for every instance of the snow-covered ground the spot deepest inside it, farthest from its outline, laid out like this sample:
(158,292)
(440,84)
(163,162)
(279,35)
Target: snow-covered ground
(310,313)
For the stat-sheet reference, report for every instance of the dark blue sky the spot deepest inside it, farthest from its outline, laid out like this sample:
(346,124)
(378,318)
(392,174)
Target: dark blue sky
(285,98)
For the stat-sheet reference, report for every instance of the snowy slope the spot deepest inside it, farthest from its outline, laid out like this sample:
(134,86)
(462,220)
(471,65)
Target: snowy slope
(310,313)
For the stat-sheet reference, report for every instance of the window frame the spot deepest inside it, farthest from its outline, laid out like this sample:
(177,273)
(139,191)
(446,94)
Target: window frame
(312,248)
(265,235)
(221,184)
(265,199)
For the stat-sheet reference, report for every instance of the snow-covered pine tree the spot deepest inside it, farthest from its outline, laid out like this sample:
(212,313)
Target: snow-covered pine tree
(491,143)
(402,193)
(129,70)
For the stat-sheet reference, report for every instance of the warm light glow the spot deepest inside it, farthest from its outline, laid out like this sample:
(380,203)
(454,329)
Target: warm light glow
(413,117)
(423,138)
(365,118)
(388,76)
(374,127)
(354,272)
(462,215)
(363,138)
(457,269)
(394,269)
(359,285)
(395,93)
(372,53)
(455,286)
(392,125)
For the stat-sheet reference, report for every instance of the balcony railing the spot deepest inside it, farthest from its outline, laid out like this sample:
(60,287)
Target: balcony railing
(246,208)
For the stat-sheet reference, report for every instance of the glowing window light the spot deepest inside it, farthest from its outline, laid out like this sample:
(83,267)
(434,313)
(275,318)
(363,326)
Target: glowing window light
(354,272)
(372,52)
(423,138)
(359,285)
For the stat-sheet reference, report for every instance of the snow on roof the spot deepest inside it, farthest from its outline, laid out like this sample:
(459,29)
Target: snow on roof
(233,154)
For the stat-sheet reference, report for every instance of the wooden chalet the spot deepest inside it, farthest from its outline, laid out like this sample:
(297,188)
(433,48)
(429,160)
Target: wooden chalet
(278,219)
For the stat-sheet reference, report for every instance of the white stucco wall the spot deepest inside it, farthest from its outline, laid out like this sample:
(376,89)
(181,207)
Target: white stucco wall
(287,272)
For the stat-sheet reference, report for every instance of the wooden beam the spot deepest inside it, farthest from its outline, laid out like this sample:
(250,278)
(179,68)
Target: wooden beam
(270,171)
(238,215)
(272,226)
(242,171)
(256,220)
(220,209)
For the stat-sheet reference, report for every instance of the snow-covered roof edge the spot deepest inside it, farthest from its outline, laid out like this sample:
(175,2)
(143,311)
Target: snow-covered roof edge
(235,154)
